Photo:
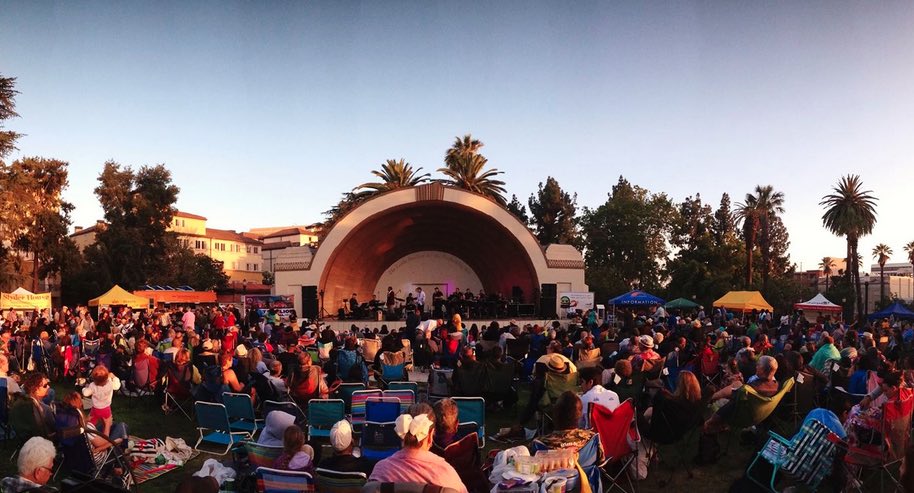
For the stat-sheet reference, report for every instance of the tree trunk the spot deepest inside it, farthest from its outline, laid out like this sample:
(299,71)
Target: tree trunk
(750,246)
(856,275)
(34,272)
(826,283)
(766,255)
(882,283)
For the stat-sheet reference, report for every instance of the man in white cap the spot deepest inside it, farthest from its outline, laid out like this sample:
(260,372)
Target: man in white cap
(342,459)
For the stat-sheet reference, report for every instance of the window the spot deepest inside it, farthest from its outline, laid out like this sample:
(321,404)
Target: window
(249,248)
(256,251)
(255,268)
(200,244)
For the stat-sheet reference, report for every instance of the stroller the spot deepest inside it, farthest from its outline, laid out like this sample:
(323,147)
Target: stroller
(41,360)
(86,362)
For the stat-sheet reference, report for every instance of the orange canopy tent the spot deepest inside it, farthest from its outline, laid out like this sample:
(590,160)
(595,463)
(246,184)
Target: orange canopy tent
(743,301)
(118,296)
(178,296)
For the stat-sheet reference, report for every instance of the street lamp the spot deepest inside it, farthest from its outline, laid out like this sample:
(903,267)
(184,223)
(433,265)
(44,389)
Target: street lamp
(866,294)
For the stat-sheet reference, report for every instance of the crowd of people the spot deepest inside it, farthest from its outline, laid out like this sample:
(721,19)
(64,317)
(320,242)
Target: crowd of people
(682,372)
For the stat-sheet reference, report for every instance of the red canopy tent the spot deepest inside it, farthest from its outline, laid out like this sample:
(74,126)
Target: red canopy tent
(819,303)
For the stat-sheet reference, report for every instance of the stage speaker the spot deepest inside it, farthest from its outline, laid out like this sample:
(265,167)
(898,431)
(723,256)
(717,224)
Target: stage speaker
(517,294)
(309,302)
(548,296)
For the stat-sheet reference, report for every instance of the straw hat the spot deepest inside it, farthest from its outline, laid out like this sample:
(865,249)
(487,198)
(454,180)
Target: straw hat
(556,362)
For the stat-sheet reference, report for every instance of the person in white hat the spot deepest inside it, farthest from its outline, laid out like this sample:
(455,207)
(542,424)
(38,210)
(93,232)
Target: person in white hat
(342,459)
(646,351)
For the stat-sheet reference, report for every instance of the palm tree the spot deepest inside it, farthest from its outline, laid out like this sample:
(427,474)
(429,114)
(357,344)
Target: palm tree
(882,253)
(462,147)
(909,249)
(747,219)
(826,265)
(467,173)
(850,211)
(757,213)
(394,174)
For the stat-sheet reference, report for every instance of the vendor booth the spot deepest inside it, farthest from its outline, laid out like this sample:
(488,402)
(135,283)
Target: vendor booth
(818,305)
(22,299)
(896,310)
(118,296)
(743,301)
(162,297)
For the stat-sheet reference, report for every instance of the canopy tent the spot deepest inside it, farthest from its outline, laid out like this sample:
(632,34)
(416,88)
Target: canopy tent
(896,310)
(118,296)
(680,304)
(635,297)
(743,301)
(819,303)
(23,299)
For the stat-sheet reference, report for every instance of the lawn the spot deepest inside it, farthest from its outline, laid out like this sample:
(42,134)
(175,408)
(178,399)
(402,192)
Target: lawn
(145,419)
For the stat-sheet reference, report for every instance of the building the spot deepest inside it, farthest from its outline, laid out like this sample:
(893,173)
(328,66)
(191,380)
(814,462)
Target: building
(894,269)
(240,254)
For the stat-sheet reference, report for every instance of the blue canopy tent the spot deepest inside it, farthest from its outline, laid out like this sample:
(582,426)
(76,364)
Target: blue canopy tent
(636,297)
(896,310)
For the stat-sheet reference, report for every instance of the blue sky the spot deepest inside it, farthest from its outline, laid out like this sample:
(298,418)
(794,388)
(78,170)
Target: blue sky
(266,112)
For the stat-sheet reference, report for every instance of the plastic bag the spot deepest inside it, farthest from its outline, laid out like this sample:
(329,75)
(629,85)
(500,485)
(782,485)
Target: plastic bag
(214,468)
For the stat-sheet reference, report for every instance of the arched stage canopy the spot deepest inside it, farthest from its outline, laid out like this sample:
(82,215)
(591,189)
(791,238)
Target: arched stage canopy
(364,244)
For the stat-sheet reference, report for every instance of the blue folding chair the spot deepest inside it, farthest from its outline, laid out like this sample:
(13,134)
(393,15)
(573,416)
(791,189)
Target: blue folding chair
(414,386)
(472,410)
(241,415)
(345,391)
(382,409)
(278,481)
(407,398)
(212,418)
(379,440)
(357,411)
(392,373)
(322,415)
(587,459)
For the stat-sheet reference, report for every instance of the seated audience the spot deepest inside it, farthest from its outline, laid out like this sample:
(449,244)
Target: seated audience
(342,459)
(35,466)
(566,417)
(296,454)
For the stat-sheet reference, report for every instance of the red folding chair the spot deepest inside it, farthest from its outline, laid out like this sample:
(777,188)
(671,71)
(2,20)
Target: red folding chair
(893,435)
(709,364)
(619,438)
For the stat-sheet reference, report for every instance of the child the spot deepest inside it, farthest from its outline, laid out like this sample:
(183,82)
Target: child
(296,455)
(102,389)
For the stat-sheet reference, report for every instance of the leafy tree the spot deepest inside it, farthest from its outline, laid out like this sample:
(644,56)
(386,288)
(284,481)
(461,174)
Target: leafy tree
(349,201)
(199,271)
(394,174)
(882,253)
(467,172)
(724,225)
(518,209)
(909,249)
(138,207)
(625,240)
(850,211)
(8,94)
(268,278)
(826,265)
(553,214)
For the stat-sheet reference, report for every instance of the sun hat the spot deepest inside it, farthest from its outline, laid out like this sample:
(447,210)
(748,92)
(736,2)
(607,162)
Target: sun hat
(207,345)
(341,435)
(556,362)
(646,341)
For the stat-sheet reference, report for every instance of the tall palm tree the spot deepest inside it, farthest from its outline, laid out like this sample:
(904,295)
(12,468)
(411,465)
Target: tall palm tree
(826,265)
(850,211)
(748,221)
(467,173)
(909,249)
(394,174)
(465,146)
(882,253)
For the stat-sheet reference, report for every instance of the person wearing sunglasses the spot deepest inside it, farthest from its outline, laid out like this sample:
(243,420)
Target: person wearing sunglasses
(30,415)
(35,466)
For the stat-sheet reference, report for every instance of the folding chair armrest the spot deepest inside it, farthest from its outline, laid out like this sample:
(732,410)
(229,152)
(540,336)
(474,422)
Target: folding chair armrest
(778,438)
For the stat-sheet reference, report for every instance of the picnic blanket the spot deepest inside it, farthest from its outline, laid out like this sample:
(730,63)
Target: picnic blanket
(151,458)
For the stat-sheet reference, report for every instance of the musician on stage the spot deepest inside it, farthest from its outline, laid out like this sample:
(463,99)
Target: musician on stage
(420,300)
(354,310)
(391,299)
(437,303)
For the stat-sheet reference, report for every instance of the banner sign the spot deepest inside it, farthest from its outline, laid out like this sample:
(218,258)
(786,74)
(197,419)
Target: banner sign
(571,302)
(283,305)
(39,301)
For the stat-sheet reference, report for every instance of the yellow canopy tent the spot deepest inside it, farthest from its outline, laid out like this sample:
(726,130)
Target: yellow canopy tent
(23,299)
(120,297)
(743,301)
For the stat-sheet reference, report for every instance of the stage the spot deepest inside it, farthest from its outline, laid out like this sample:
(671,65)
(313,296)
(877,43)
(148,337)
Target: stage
(345,325)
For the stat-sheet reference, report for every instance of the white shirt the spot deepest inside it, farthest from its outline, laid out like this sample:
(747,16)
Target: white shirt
(420,298)
(428,326)
(597,395)
(502,340)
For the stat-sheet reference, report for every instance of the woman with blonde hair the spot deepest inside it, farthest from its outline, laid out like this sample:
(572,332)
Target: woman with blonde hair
(415,462)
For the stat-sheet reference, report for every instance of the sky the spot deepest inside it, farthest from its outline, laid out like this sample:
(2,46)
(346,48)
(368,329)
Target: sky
(266,112)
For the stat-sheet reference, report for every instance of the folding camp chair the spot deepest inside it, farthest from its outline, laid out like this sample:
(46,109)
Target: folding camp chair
(370,348)
(709,368)
(288,407)
(439,383)
(807,458)
(472,411)
(177,394)
(753,408)
(403,487)
(414,386)
(277,481)
(893,438)
(322,415)
(407,398)
(240,410)
(323,351)
(4,410)
(330,481)
(517,348)
(379,440)
(618,434)
(357,411)
(588,357)
(261,455)
(391,373)
(382,409)
(555,385)
(214,418)
(587,457)
(464,456)
(345,390)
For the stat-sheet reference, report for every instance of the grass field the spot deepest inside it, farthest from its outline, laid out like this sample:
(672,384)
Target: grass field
(146,420)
